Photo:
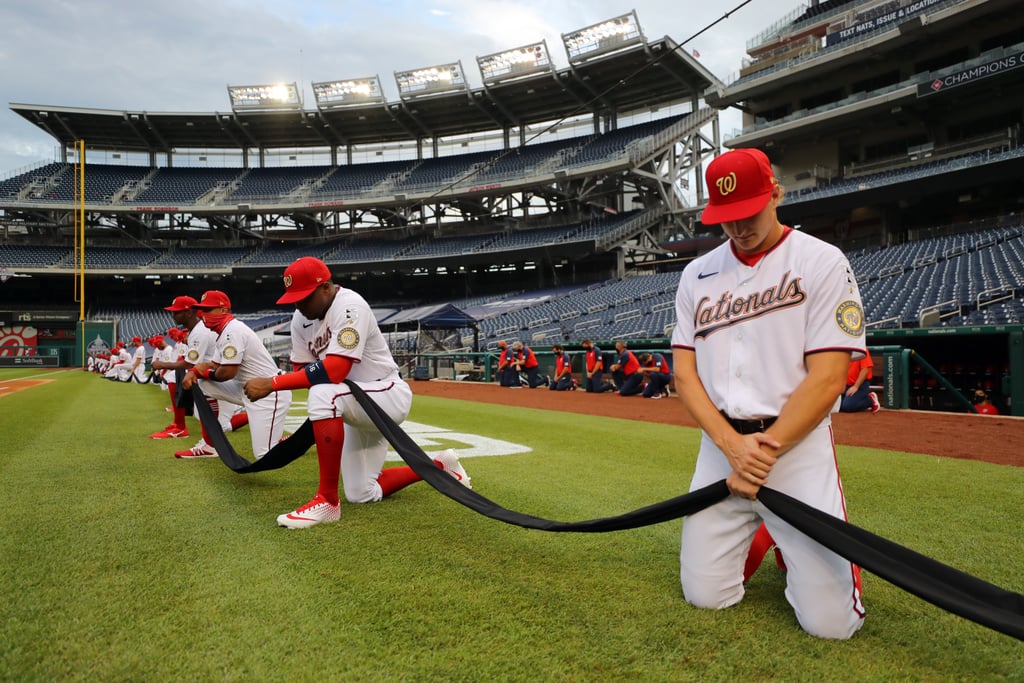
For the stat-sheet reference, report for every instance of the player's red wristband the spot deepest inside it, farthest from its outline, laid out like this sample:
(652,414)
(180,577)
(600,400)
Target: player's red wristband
(291,380)
(211,374)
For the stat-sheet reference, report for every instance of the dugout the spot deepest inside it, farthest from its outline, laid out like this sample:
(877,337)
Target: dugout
(938,368)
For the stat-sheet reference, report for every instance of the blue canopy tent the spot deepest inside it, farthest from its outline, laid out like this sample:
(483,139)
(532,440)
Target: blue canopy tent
(426,318)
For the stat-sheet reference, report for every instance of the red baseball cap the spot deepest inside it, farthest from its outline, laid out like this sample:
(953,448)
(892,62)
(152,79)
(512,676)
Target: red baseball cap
(213,298)
(156,340)
(181,303)
(136,340)
(302,277)
(739,185)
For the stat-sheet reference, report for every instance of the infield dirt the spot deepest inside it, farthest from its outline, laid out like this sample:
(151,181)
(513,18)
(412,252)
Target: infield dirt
(994,439)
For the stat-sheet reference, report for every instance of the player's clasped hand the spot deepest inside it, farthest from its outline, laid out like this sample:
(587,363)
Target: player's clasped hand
(258,387)
(750,462)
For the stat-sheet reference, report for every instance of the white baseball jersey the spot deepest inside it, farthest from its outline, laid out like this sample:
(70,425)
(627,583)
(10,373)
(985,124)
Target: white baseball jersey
(238,345)
(140,369)
(349,329)
(202,342)
(168,354)
(751,326)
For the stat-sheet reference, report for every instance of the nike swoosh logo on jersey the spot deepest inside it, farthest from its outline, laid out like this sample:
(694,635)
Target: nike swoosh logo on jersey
(304,325)
(701,276)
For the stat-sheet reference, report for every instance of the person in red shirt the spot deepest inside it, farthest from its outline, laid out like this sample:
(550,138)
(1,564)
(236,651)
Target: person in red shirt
(858,395)
(627,371)
(593,369)
(507,375)
(655,367)
(563,380)
(983,404)
(524,360)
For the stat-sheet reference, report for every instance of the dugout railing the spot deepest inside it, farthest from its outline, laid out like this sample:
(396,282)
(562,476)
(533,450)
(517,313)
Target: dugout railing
(935,368)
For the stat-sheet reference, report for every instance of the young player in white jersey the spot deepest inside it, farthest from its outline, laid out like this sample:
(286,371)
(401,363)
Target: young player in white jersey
(766,325)
(335,337)
(238,356)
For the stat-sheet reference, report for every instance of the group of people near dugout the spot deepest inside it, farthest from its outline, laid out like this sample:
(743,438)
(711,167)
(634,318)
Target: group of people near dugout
(646,374)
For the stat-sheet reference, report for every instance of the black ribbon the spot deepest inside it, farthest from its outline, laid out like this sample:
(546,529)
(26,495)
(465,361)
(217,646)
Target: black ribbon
(951,589)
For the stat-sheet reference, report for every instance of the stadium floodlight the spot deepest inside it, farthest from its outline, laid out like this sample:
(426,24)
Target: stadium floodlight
(348,92)
(431,80)
(272,96)
(520,61)
(602,38)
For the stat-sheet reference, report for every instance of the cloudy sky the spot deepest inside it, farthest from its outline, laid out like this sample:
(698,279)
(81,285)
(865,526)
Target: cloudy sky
(180,56)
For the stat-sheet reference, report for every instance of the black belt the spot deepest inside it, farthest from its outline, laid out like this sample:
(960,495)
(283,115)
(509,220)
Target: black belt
(750,426)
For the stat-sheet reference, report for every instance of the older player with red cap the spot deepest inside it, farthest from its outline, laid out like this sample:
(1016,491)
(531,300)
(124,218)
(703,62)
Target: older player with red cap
(238,356)
(335,337)
(766,325)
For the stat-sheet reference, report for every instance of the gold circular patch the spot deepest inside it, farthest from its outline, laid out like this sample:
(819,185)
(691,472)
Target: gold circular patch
(850,318)
(193,356)
(348,338)
(230,352)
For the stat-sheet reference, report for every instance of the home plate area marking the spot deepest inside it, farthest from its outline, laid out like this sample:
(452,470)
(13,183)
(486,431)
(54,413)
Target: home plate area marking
(431,438)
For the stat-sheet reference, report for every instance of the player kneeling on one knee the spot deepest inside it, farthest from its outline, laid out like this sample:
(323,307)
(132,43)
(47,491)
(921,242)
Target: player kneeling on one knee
(335,337)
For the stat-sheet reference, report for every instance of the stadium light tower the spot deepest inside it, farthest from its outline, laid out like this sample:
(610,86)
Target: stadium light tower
(264,97)
(353,91)
(599,39)
(515,63)
(432,80)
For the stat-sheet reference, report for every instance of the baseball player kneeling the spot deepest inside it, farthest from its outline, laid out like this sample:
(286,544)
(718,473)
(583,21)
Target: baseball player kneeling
(766,326)
(335,337)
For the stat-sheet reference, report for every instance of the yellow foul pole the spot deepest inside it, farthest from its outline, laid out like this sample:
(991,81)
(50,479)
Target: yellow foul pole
(78,255)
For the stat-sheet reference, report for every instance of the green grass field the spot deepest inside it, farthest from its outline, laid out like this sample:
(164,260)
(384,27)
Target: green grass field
(119,562)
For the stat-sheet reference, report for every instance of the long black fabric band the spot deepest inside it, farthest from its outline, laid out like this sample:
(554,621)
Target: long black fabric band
(951,589)
(298,443)
(937,583)
(292,448)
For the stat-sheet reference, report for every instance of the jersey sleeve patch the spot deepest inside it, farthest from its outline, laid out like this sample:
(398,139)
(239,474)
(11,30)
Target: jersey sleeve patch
(850,318)
(230,352)
(348,338)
